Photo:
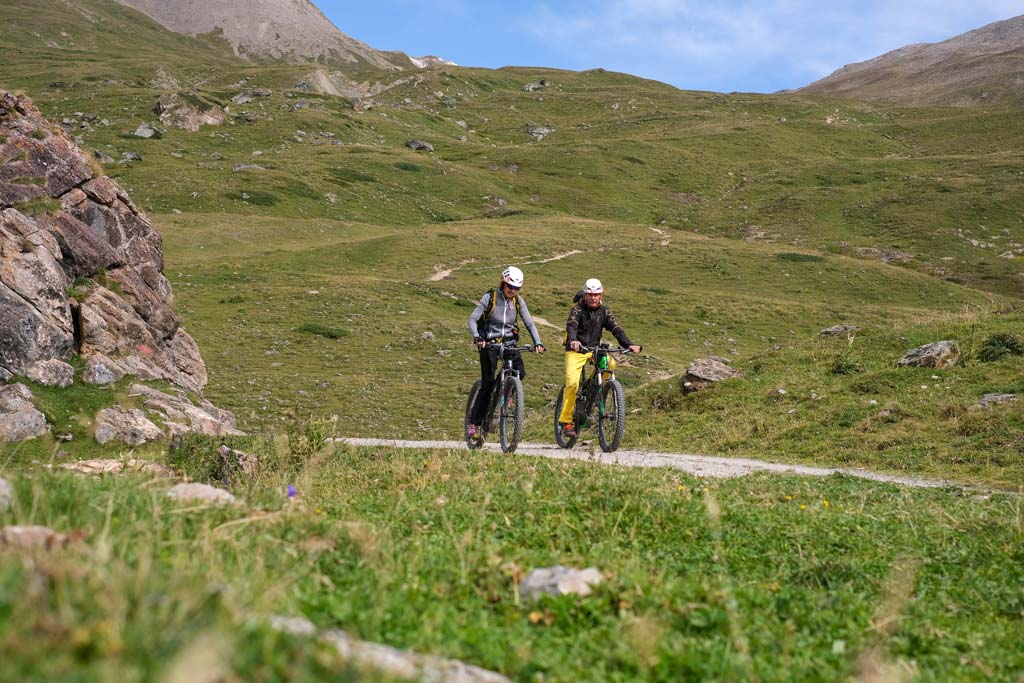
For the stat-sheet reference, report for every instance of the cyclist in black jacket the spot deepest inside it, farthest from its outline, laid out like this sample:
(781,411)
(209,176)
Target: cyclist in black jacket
(588,319)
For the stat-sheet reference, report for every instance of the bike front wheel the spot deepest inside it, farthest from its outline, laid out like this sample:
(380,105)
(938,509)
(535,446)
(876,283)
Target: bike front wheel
(611,423)
(562,440)
(473,442)
(513,412)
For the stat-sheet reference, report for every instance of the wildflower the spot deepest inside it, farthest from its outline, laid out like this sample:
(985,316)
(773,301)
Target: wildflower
(824,503)
(292,492)
(803,507)
(682,488)
(789,497)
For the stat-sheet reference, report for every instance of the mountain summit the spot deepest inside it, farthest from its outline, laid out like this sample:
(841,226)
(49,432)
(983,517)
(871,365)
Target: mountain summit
(291,29)
(982,66)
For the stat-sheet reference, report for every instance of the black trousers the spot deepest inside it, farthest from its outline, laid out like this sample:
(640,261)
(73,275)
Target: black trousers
(488,361)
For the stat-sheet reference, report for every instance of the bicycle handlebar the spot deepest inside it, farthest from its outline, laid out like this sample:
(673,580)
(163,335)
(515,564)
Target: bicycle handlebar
(618,349)
(509,347)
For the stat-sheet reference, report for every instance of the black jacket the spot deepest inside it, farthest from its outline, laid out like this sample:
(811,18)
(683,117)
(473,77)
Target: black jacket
(586,325)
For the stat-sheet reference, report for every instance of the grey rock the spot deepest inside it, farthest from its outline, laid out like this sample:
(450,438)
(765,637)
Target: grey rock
(195,492)
(537,131)
(242,98)
(941,354)
(5,375)
(6,494)
(989,400)
(182,416)
(19,419)
(146,131)
(51,373)
(537,85)
(131,156)
(101,370)
(838,330)
(103,157)
(559,580)
(247,167)
(419,145)
(130,426)
(704,372)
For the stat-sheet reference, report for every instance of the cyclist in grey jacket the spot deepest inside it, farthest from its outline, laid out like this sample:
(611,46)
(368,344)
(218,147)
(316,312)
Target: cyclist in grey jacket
(506,307)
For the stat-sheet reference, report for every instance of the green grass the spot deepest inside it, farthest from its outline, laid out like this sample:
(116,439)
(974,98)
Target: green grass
(760,578)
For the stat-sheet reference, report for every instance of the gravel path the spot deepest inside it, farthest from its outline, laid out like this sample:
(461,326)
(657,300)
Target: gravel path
(697,465)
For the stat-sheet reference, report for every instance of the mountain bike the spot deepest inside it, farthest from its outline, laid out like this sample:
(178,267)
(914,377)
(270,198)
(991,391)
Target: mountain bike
(598,390)
(507,405)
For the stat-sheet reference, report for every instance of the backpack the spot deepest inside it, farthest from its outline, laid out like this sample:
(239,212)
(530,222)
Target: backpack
(575,300)
(490,311)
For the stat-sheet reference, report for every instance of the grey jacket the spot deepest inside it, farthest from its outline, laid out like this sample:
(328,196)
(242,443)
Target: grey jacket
(502,319)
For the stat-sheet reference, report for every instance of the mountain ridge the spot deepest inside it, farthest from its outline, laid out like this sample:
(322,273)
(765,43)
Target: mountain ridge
(981,66)
(295,30)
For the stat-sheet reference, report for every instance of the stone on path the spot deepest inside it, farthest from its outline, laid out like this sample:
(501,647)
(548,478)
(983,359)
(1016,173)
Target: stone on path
(200,493)
(559,580)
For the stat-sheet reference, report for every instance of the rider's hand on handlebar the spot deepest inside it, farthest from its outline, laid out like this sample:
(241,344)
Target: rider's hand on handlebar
(635,348)
(481,343)
(539,348)
(575,345)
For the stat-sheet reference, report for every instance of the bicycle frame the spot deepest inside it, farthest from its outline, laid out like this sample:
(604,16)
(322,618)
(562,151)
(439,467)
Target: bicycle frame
(507,353)
(590,386)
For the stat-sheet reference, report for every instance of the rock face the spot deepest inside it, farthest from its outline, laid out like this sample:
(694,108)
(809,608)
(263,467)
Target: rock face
(19,420)
(940,354)
(704,372)
(92,230)
(51,373)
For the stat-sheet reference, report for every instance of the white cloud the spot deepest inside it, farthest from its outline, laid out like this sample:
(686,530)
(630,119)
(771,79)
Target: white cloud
(798,40)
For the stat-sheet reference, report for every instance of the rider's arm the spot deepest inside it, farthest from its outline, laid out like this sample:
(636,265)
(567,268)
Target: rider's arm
(572,325)
(528,321)
(612,325)
(474,318)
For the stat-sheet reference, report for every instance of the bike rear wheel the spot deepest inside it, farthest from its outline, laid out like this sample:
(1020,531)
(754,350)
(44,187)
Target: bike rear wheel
(513,412)
(477,441)
(611,423)
(561,439)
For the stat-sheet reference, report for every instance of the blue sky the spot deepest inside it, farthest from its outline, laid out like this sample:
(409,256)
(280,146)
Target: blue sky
(729,45)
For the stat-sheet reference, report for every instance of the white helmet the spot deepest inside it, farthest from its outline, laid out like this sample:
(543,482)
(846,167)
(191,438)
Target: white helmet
(593,286)
(512,276)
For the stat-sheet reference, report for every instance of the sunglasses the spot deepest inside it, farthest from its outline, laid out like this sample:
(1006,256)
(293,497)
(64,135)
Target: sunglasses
(513,287)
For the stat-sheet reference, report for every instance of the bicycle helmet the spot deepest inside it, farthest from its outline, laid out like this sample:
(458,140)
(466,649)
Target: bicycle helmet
(512,276)
(593,286)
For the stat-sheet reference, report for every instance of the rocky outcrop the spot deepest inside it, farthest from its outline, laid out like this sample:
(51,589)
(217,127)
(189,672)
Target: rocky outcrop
(180,416)
(89,230)
(176,111)
(51,373)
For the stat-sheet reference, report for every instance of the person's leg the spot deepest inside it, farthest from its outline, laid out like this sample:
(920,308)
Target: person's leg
(483,398)
(520,366)
(574,362)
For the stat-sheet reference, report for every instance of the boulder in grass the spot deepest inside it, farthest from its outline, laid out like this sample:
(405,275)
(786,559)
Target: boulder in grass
(19,419)
(51,373)
(112,466)
(940,354)
(559,580)
(989,400)
(128,426)
(419,145)
(704,372)
(839,330)
(101,370)
(201,493)
(32,537)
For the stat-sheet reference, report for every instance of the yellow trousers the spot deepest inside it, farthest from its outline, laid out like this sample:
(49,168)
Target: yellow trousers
(574,363)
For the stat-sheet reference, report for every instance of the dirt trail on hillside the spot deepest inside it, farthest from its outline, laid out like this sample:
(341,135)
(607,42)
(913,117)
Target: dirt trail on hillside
(697,465)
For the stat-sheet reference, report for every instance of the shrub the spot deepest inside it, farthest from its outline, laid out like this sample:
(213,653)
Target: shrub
(799,258)
(408,166)
(999,345)
(323,331)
